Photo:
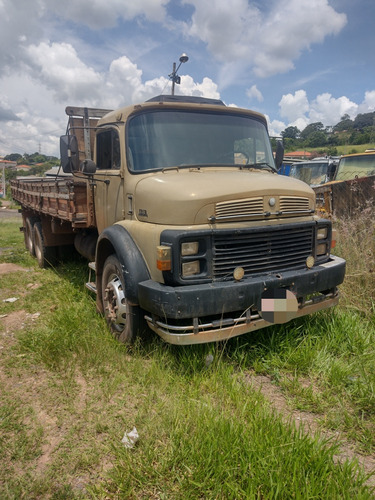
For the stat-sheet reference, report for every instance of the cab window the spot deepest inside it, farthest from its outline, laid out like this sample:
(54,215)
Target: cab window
(108,150)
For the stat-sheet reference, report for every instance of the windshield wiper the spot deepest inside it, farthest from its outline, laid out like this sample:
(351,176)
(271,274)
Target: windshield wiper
(261,166)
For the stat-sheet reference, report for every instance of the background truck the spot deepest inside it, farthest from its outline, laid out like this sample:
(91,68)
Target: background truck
(178,207)
(351,189)
(315,172)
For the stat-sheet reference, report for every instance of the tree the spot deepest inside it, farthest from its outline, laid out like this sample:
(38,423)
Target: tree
(13,157)
(40,169)
(358,137)
(316,139)
(345,124)
(364,120)
(290,133)
(311,128)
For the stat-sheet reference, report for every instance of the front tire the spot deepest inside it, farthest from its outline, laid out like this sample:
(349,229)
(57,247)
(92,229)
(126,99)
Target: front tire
(125,320)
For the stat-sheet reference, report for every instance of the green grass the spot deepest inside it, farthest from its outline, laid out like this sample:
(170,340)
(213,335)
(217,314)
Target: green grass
(342,150)
(69,391)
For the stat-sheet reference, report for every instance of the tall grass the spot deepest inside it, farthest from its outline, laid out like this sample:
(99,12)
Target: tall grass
(356,244)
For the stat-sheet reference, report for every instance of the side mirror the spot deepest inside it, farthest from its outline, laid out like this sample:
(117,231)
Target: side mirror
(88,167)
(279,154)
(69,153)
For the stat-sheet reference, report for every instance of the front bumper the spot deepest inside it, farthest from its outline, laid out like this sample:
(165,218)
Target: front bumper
(224,309)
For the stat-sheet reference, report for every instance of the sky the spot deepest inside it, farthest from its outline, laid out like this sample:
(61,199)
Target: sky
(295,61)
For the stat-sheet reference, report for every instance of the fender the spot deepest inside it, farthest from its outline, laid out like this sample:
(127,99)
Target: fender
(116,240)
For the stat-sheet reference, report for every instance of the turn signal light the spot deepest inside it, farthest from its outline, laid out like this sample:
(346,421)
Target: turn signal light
(163,259)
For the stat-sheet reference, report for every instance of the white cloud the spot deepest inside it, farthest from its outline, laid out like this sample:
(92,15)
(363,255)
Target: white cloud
(19,24)
(207,88)
(59,68)
(60,78)
(299,111)
(40,119)
(292,27)
(226,26)
(368,103)
(267,41)
(25,22)
(294,106)
(6,113)
(124,85)
(253,92)
(329,110)
(56,53)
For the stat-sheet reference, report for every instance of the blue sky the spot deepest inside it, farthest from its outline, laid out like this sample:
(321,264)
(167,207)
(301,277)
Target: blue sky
(296,61)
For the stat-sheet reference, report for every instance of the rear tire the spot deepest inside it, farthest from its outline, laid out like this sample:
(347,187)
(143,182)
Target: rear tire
(44,255)
(125,321)
(29,241)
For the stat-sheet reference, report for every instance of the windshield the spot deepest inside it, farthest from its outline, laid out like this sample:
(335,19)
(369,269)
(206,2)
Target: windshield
(356,166)
(311,173)
(174,138)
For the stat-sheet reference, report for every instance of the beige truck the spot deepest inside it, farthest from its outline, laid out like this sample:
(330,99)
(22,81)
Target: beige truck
(190,231)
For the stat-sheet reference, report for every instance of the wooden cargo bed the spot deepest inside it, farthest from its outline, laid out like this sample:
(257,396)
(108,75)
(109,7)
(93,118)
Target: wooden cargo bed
(66,199)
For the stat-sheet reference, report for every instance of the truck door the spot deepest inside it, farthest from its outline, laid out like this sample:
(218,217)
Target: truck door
(108,177)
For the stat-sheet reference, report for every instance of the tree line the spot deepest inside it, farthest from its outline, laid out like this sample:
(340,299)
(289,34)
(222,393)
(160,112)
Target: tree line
(38,162)
(361,130)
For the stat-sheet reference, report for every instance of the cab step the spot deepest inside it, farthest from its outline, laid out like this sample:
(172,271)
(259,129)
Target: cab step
(91,285)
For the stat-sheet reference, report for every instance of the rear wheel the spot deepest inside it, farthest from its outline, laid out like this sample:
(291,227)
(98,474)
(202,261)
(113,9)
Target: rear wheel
(44,255)
(29,241)
(124,320)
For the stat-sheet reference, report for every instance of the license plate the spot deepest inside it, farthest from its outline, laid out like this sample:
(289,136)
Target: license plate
(278,305)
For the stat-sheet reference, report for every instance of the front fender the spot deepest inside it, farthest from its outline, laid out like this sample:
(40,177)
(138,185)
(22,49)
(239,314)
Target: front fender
(116,240)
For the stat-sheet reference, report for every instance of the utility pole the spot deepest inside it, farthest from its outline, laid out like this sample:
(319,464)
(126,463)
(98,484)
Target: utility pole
(3,181)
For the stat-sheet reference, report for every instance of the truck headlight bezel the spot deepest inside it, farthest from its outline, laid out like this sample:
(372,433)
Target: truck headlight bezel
(323,237)
(191,256)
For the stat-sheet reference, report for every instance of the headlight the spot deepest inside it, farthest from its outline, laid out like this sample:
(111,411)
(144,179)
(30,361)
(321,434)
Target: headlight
(189,248)
(321,249)
(322,233)
(190,268)
(323,241)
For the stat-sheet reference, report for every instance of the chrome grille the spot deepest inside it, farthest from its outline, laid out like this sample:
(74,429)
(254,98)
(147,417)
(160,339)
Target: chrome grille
(293,203)
(265,250)
(239,208)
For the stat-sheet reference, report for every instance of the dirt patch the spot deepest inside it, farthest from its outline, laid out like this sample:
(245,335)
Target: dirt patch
(53,437)
(278,401)
(16,320)
(309,423)
(6,267)
(13,322)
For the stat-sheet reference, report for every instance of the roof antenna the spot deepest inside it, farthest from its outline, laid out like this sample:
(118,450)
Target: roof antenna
(174,76)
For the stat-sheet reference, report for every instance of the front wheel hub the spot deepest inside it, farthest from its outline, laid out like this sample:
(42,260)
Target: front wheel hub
(115,303)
